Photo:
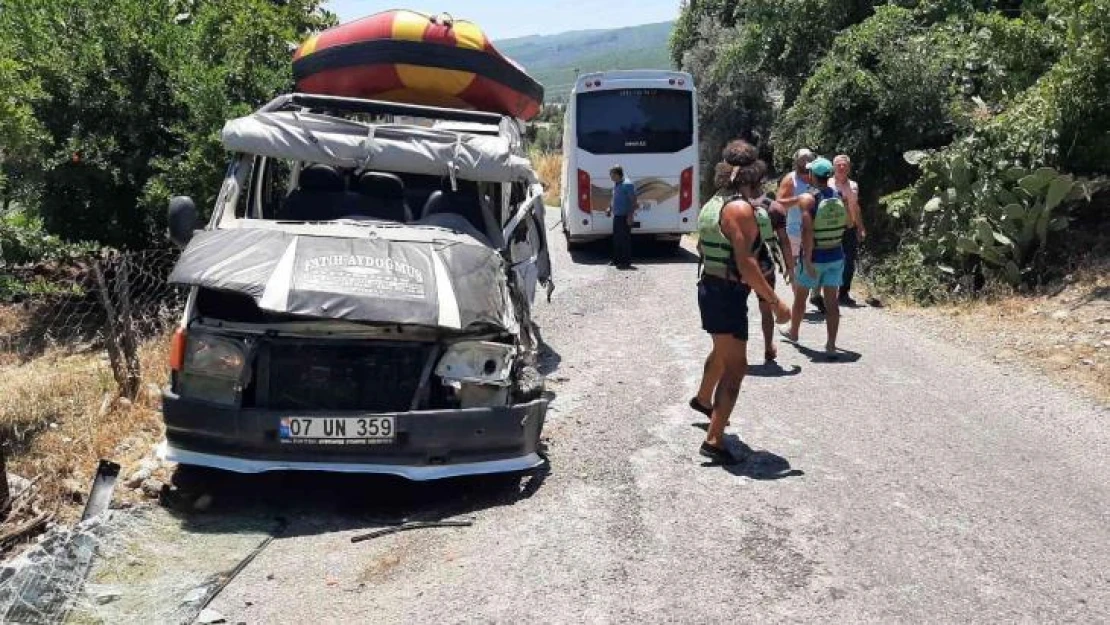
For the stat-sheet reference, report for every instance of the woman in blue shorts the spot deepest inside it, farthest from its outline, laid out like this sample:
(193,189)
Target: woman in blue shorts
(821,264)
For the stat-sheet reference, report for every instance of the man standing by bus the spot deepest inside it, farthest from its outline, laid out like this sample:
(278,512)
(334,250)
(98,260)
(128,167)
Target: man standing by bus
(623,211)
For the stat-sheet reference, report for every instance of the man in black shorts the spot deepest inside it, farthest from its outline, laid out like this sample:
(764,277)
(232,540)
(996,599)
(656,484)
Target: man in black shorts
(729,241)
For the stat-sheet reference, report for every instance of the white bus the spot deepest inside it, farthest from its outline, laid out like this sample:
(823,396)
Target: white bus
(645,121)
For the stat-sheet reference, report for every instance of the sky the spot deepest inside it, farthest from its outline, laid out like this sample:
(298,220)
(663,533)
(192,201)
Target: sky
(503,20)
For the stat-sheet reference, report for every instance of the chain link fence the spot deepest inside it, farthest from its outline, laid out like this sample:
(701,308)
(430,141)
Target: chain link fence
(108,303)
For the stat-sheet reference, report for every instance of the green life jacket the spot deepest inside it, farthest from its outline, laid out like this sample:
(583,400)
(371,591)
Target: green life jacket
(771,245)
(829,223)
(766,230)
(716,250)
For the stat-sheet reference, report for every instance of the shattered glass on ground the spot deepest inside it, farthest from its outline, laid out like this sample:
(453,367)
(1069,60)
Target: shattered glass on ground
(150,566)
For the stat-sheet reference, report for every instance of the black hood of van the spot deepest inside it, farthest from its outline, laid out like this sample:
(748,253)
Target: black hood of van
(447,284)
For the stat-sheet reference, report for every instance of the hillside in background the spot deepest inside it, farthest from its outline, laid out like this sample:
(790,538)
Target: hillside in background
(552,59)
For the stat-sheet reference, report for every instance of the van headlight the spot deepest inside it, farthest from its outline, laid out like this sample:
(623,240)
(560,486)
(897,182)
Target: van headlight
(214,369)
(477,362)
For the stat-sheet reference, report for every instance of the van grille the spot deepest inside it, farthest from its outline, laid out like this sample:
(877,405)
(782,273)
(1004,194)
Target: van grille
(378,377)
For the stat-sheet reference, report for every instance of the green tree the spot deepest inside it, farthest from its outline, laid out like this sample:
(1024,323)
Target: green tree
(1001,198)
(21,135)
(693,18)
(135,93)
(731,103)
(895,83)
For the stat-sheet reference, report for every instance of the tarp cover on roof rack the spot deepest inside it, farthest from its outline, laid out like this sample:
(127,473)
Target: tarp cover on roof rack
(368,279)
(315,138)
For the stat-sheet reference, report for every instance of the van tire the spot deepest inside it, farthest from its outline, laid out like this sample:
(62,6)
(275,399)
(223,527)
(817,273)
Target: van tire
(190,478)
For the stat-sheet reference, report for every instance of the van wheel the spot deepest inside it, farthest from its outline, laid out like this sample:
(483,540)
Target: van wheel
(190,478)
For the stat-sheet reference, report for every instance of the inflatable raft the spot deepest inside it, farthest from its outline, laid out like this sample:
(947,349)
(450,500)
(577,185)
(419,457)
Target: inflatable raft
(403,56)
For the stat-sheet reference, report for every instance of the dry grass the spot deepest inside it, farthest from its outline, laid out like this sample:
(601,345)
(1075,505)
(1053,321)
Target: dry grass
(13,322)
(1063,331)
(549,166)
(61,414)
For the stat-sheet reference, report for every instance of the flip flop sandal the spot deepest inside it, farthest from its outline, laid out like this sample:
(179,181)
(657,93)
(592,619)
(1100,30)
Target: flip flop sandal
(719,455)
(696,405)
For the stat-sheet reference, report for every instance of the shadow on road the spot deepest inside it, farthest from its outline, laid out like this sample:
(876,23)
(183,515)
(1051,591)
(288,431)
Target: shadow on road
(644,252)
(760,465)
(773,369)
(842,356)
(548,359)
(322,503)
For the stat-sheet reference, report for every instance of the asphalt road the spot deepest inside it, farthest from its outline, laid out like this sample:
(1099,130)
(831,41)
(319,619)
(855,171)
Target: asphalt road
(916,482)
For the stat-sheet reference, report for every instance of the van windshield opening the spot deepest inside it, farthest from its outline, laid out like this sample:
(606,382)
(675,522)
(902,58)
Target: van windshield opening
(635,121)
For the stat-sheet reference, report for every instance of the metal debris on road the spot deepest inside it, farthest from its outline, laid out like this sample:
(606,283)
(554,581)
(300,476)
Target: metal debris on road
(412,525)
(100,496)
(278,530)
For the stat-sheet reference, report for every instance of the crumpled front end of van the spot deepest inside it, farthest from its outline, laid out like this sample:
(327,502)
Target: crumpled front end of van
(340,348)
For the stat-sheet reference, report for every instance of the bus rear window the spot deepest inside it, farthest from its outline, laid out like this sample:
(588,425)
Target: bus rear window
(635,121)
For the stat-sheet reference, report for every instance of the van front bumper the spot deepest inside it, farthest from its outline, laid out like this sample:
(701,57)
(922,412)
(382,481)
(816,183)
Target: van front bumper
(429,445)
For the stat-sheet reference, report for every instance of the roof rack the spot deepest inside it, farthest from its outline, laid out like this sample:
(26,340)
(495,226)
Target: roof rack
(356,105)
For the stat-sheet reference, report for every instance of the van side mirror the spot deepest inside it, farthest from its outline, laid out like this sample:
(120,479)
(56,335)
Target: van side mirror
(182,219)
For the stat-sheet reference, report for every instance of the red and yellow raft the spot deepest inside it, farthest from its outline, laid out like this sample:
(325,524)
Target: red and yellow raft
(404,56)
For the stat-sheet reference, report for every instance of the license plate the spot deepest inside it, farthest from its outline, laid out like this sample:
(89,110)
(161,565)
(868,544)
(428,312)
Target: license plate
(338,430)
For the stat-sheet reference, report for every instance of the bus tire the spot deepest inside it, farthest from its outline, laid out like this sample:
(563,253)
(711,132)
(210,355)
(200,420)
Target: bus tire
(571,245)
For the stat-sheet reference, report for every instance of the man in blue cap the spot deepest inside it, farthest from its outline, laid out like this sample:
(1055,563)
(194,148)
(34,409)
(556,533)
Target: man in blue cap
(821,262)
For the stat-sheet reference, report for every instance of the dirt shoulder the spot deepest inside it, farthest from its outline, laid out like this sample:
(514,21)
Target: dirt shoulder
(1063,332)
(60,413)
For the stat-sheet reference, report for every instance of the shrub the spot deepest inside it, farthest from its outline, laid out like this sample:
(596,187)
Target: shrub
(906,273)
(549,167)
(997,201)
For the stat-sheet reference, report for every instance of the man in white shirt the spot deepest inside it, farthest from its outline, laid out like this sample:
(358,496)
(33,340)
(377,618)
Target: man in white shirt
(856,231)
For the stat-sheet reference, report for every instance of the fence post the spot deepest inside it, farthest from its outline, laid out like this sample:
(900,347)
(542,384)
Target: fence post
(112,339)
(129,345)
(5,492)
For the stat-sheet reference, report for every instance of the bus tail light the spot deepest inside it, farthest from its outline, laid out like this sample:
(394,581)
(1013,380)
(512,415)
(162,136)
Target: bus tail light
(583,191)
(686,190)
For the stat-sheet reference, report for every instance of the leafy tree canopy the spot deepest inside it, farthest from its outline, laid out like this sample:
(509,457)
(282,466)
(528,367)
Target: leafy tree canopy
(121,102)
(983,122)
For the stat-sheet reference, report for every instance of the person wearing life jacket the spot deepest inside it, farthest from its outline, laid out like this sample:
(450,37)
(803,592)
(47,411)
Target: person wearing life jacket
(729,243)
(821,266)
(853,234)
(772,230)
(722,180)
(792,186)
